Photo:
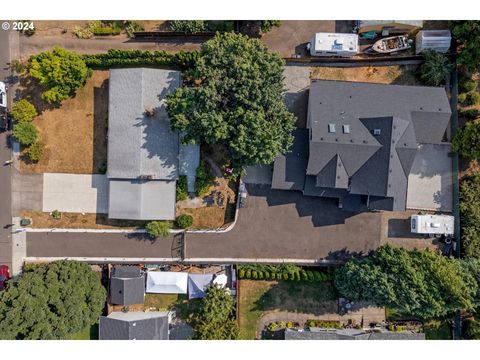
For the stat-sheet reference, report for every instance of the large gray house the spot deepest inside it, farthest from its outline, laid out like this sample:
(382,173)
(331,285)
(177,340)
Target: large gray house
(145,158)
(361,141)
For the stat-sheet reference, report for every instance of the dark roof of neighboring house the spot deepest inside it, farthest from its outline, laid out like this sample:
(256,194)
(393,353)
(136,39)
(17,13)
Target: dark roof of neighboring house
(134,326)
(349,334)
(127,286)
(363,139)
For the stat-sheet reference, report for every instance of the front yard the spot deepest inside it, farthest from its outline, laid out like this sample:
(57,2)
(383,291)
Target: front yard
(259,298)
(75,133)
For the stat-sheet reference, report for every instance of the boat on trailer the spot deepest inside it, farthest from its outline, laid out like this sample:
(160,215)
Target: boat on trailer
(392,44)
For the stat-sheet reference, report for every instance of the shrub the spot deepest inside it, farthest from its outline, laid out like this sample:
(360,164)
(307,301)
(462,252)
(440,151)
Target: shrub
(184,221)
(241,274)
(57,215)
(285,276)
(470,216)
(303,274)
(297,276)
(310,275)
(471,329)
(60,72)
(466,85)
(268,25)
(182,190)
(102,31)
(187,26)
(248,274)
(25,133)
(469,114)
(267,275)
(291,276)
(23,110)
(158,228)
(204,179)
(469,99)
(132,26)
(435,69)
(317,276)
(35,151)
(260,275)
(122,58)
(467,140)
(254,275)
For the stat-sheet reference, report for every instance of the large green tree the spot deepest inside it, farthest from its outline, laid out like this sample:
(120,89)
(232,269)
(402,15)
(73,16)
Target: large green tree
(60,71)
(467,140)
(470,216)
(215,317)
(52,301)
(468,34)
(418,283)
(238,101)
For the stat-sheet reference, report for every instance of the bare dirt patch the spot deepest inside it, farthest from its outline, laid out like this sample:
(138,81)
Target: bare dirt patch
(400,74)
(75,132)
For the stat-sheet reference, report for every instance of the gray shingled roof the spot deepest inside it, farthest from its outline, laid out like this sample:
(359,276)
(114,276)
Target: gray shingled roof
(134,326)
(141,199)
(127,286)
(140,145)
(372,149)
(349,334)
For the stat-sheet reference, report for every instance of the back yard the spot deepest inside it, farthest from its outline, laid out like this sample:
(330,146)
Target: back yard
(258,299)
(75,132)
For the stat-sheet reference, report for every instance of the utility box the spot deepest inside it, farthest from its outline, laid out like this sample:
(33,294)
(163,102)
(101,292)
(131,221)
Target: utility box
(432,225)
(334,44)
(435,40)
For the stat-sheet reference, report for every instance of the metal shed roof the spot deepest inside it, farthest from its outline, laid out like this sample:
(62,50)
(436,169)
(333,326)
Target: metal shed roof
(166,282)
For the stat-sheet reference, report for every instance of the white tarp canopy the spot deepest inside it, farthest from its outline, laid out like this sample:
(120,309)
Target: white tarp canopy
(198,284)
(221,280)
(165,282)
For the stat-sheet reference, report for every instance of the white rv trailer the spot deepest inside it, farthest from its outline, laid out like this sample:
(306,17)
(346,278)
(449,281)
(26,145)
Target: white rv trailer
(432,224)
(3,95)
(334,44)
(436,40)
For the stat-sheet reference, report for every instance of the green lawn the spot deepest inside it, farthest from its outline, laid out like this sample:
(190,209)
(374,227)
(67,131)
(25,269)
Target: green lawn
(259,297)
(89,333)
(160,301)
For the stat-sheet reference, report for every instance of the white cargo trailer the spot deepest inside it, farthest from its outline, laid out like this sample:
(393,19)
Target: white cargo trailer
(334,44)
(432,224)
(435,40)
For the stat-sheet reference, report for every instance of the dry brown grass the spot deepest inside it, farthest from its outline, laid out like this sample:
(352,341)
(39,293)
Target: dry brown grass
(75,132)
(401,75)
(79,221)
(210,217)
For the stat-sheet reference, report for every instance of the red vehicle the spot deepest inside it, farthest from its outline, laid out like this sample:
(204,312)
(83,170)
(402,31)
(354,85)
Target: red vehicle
(4,276)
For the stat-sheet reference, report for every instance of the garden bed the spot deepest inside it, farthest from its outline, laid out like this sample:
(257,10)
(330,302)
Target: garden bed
(75,132)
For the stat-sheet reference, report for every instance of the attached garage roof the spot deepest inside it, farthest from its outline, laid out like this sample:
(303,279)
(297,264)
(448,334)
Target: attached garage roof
(141,200)
(165,282)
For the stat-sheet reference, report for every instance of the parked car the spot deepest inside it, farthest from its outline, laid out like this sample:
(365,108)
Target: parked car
(242,192)
(3,95)
(4,276)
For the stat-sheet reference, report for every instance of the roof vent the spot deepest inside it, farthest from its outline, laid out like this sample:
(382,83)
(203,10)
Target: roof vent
(331,128)
(346,129)
(377,131)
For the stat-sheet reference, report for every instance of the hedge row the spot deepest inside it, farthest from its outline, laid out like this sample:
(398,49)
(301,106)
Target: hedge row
(117,58)
(102,31)
(302,275)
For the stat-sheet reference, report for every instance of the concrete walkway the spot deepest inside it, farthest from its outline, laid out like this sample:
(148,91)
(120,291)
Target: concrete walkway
(27,192)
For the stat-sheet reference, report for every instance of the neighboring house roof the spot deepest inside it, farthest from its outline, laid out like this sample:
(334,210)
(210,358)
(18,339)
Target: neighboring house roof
(127,285)
(138,144)
(166,282)
(349,334)
(141,199)
(151,325)
(362,140)
(197,284)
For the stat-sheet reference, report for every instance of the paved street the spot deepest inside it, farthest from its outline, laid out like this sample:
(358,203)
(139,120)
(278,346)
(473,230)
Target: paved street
(5,174)
(273,225)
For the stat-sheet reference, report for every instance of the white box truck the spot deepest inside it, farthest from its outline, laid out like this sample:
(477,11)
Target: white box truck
(432,225)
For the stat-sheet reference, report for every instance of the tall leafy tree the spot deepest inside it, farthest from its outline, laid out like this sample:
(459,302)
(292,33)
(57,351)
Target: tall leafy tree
(470,216)
(467,140)
(52,301)
(468,34)
(60,71)
(215,317)
(238,102)
(419,283)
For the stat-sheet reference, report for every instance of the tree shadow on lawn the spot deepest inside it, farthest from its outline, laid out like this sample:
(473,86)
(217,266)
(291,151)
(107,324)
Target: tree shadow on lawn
(30,89)
(100,127)
(302,297)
